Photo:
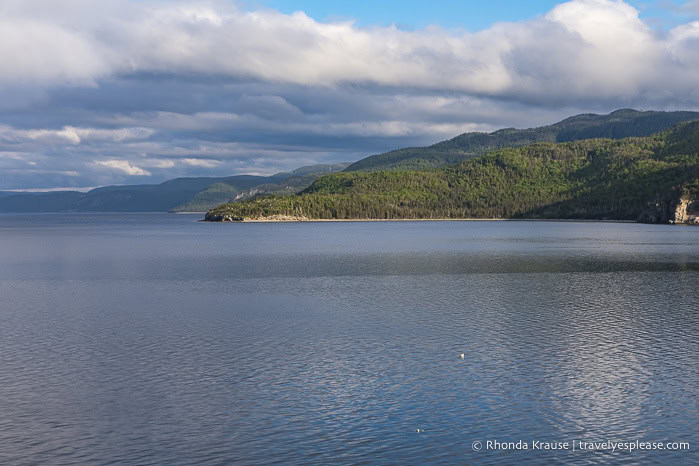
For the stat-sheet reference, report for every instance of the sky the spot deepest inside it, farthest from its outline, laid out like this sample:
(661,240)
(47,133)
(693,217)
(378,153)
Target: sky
(105,92)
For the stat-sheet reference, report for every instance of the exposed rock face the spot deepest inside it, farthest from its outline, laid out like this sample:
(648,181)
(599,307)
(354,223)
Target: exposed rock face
(213,217)
(221,218)
(686,211)
(247,194)
(283,218)
(683,211)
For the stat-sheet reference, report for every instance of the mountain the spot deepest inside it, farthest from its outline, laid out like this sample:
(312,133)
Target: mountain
(131,198)
(163,197)
(316,169)
(625,179)
(201,194)
(281,183)
(59,201)
(10,193)
(619,124)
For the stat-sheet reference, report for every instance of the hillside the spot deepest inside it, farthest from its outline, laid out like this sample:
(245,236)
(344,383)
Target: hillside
(130,198)
(8,193)
(619,124)
(624,179)
(281,183)
(173,194)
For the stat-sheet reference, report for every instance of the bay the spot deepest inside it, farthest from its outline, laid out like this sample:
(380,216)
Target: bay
(158,339)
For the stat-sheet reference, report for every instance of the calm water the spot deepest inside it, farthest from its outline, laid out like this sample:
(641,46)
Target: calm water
(154,339)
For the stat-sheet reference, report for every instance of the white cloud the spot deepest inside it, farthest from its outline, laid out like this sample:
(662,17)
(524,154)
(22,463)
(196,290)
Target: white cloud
(70,173)
(72,135)
(123,166)
(58,188)
(114,135)
(12,156)
(62,136)
(39,52)
(596,45)
(582,47)
(204,163)
(158,163)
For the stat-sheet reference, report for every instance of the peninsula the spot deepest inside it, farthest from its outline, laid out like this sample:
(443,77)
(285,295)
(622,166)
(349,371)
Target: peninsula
(652,179)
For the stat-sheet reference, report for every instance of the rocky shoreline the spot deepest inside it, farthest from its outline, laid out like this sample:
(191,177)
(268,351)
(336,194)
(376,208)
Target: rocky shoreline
(212,217)
(289,219)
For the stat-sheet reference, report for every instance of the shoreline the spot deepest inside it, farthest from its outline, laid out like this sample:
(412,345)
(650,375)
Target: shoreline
(332,220)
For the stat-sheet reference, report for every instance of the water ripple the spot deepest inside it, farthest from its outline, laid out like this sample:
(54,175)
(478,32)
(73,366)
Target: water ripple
(163,343)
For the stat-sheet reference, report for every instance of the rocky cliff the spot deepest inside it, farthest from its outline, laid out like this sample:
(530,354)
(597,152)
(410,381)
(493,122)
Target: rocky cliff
(686,211)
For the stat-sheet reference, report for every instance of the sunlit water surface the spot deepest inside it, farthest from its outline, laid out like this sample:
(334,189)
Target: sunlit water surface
(144,339)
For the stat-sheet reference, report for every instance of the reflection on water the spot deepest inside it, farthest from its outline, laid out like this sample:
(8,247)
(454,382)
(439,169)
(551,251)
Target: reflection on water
(156,339)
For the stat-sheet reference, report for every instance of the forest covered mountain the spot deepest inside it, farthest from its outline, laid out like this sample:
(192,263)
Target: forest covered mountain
(616,125)
(625,179)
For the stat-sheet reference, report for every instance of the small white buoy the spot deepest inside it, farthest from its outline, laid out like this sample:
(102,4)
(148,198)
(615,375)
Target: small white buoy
(418,431)
(462,355)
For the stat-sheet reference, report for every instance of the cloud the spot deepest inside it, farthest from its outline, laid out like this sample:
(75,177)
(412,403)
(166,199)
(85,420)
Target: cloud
(592,46)
(71,135)
(123,166)
(58,188)
(690,6)
(207,163)
(160,163)
(65,135)
(190,88)
(39,52)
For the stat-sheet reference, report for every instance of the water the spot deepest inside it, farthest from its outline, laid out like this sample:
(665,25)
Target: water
(154,339)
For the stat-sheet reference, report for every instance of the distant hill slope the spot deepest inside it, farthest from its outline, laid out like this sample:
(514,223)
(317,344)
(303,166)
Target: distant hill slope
(41,202)
(624,179)
(161,197)
(281,183)
(130,198)
(619,124)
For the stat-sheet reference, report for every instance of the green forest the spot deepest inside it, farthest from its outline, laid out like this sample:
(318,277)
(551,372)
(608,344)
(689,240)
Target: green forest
(624,179)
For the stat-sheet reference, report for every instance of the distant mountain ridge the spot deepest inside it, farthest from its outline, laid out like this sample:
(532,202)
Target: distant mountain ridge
(163,197)
(10,193)
(202,194)
(616,125)
(281,183)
